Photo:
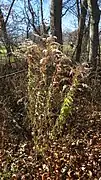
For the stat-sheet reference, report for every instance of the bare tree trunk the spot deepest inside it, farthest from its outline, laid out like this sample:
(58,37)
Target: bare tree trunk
(32,12)
(42,18)
(94,56)
(81,29)
(27,30)
(56,20)
(4,30)
(78,10)
(13,1)
(5,35)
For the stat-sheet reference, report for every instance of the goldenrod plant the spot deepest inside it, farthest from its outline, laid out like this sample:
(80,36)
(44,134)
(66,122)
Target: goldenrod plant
(66,108)
(52,81)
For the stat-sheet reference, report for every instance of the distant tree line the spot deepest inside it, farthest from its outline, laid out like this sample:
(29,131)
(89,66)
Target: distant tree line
(31,19)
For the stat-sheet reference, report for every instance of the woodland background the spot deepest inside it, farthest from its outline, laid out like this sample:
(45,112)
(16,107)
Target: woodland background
(50,90)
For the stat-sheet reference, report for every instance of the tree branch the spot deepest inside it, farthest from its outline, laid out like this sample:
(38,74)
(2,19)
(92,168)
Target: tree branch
(9,11)
(68,9)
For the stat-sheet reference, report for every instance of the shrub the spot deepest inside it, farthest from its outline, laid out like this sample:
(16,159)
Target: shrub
(52,81)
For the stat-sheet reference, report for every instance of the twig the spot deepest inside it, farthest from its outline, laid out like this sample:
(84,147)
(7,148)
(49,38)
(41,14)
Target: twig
(12,74)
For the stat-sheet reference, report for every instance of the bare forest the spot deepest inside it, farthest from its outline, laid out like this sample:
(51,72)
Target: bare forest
(50,90)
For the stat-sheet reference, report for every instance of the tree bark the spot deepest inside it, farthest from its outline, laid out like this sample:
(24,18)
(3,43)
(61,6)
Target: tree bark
(56,20)
(42,18)
(81,29)
(78,10)
(94,54)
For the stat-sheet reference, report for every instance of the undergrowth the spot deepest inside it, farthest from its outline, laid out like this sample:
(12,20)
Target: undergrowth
(64,114)
(52,82)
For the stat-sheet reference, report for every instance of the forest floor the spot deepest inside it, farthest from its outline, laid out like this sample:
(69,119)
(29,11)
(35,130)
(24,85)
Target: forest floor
(76,155)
